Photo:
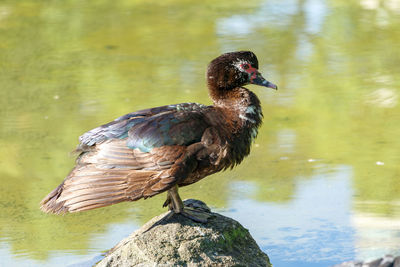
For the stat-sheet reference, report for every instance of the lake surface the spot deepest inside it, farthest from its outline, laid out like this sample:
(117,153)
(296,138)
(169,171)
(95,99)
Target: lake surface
(322,184)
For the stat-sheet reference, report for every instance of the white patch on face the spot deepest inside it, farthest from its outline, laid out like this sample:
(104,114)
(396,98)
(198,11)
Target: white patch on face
(238,64)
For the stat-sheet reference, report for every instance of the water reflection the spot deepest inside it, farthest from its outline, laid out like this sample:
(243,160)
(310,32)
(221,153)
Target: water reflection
(376,235)
(312,191)
(290,231)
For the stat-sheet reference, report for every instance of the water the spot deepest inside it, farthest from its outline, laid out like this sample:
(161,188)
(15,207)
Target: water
(321,185)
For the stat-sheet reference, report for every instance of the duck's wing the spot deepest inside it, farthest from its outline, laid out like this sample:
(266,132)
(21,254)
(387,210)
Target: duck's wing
(119,128)
(137,156)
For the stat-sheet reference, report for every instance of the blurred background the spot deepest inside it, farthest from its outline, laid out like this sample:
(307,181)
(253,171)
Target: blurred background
(322,184)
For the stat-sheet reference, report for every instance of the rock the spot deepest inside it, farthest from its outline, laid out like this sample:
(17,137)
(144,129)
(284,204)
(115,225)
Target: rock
(396,262)
(387,261)
(173,240)
(349,264)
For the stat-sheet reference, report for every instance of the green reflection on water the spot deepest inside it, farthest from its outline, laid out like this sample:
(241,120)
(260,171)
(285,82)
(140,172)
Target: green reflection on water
(66,67)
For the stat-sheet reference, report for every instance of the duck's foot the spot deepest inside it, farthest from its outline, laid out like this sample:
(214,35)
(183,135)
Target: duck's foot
(196,204)
(168,202)
(193,209)
(195,215)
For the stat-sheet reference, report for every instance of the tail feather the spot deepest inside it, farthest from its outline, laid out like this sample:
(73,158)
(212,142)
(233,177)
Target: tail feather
(111,172)
(97,184)
(88,188)
(50,205)
(86,204)
(95,206)
(76,195)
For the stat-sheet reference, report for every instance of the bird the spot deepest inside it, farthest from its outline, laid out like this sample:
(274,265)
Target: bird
(151,151)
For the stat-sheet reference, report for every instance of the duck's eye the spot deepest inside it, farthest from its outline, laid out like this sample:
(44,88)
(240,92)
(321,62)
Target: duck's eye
(245,66)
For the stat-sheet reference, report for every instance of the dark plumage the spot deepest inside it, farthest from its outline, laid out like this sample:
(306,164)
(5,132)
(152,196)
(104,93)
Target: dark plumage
(147,152)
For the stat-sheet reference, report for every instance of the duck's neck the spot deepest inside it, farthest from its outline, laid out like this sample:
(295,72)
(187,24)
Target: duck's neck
(242,103)
(243,114)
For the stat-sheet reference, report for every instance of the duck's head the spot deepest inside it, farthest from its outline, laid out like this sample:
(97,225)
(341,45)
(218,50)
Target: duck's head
(233,70)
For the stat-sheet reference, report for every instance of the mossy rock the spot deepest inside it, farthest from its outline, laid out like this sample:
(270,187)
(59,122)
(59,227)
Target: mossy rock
(178,241)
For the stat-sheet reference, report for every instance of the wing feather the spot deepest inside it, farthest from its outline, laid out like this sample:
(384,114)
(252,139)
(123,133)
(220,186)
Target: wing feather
(138,155)
(98,181)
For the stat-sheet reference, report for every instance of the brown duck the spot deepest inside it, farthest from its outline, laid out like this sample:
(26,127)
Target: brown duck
(147,152)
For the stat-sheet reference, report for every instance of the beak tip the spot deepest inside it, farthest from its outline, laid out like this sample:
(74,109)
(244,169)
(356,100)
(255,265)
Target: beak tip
(259,80)
(271,85)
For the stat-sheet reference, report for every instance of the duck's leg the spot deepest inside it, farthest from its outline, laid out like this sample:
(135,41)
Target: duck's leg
(176,204)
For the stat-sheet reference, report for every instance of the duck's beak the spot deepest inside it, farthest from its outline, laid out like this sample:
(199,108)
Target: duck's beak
(258,79)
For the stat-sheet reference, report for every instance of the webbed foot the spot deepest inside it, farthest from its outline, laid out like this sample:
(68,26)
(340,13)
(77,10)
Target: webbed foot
(195,215)
(193,209)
